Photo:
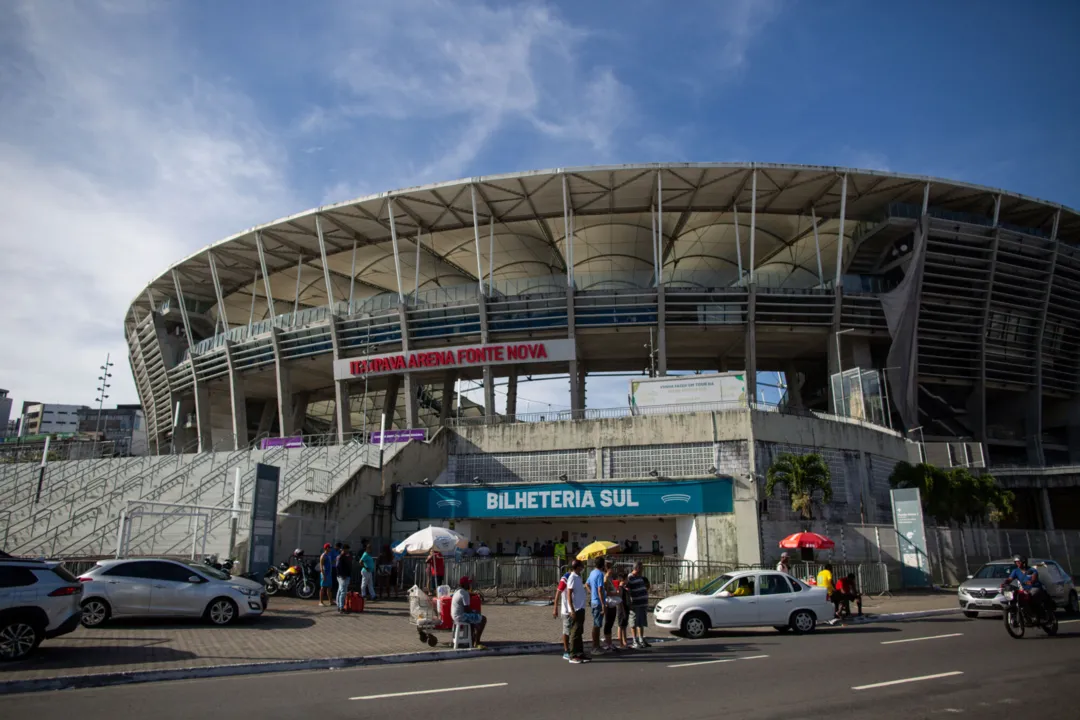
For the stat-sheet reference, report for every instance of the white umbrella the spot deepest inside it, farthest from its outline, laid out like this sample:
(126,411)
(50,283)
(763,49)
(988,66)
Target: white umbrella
(422,541)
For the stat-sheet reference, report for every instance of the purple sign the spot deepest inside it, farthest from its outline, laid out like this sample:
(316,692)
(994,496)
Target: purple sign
(286,442)
(396,436)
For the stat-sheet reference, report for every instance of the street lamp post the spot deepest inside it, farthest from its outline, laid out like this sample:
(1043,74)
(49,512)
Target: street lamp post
(840,370)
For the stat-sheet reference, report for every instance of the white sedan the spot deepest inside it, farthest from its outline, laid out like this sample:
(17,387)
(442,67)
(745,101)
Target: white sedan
(750,598)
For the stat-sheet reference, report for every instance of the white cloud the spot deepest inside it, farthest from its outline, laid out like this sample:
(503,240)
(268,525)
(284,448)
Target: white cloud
(740,22)
(115,161)
(466,71)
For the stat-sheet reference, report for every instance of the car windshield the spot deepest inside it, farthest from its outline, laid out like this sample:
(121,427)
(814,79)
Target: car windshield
(993,572)
(212,572)
(712,586)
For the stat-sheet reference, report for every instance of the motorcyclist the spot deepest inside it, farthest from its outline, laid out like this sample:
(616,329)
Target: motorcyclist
(1028,577)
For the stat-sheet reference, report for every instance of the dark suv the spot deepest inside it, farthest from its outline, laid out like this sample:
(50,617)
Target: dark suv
(38,600)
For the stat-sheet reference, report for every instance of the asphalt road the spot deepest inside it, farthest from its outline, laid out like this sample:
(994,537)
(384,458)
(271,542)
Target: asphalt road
(921,669)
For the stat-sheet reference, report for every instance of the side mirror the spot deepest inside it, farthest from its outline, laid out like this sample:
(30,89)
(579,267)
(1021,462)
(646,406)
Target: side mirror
(724,594)
(195,579)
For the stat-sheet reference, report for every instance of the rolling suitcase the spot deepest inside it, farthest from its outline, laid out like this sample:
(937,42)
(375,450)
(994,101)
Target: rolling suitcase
(354,602)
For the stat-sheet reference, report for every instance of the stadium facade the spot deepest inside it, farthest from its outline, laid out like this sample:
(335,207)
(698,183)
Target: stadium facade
(965,297)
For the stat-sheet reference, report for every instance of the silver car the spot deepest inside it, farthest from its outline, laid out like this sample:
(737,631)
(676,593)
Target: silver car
(981,592)
(38,600)
(150,587)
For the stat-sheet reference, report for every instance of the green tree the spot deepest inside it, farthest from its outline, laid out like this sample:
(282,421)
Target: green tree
(955,495)
(801,476)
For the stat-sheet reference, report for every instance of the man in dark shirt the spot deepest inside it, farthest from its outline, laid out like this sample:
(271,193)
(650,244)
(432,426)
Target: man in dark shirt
(637,587)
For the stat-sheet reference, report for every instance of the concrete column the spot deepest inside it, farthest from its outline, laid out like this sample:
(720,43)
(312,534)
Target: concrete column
(284,388)
(1046,511)
(794,386)
(447,407)
(237,402)
(182,436)
(299,411)
(489,380)
(750,352)
(661,331)
(581,385)
(342,408)
(577,405)
(511,394)
(393,385)
(266,419)
(411,415)
(202,417)
(1033,426)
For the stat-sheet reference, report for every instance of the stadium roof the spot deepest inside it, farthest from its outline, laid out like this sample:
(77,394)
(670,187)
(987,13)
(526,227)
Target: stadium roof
(612,231)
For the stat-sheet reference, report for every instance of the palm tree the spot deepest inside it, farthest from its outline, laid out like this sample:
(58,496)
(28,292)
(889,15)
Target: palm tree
(801,476)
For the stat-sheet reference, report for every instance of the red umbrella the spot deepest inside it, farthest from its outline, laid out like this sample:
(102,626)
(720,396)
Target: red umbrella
(807,540)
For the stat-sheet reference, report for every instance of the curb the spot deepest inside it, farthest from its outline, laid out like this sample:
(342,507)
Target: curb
(82,682)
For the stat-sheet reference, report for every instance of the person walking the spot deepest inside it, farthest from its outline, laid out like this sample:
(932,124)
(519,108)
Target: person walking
(574,599)
(343,569)
(598,598)
(326,575)
(367,573)
(560,610)
(637,586)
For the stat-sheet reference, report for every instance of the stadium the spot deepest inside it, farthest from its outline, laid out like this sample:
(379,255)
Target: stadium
(750,309)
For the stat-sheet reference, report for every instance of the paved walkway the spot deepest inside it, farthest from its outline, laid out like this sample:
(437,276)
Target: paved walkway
(299,630)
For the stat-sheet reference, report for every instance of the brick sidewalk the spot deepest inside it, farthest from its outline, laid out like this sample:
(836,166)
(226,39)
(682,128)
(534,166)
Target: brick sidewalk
(300,630)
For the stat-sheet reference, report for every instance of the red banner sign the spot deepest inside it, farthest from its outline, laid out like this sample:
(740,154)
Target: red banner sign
(463,356)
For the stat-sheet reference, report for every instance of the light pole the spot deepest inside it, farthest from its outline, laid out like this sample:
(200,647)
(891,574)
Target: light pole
(840,370)
(104,378)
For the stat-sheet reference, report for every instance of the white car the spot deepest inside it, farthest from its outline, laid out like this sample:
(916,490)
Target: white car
(750,598)
(167,588)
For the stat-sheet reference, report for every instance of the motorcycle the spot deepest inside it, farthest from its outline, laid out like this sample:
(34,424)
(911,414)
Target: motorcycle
(1020,613)
(298,579)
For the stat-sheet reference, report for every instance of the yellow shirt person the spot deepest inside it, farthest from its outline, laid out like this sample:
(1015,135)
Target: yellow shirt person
(825,579)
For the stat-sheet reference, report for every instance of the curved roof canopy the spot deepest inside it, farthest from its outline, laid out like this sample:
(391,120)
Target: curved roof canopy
(522,232)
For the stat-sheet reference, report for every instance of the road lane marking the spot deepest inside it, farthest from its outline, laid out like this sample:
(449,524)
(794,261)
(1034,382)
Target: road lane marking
(907,680)
(429,692)
(714,662)
(928,637)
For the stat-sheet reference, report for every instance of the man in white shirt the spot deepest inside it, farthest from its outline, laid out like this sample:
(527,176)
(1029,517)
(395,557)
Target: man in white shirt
(574,602)
(461,612)
(483,551)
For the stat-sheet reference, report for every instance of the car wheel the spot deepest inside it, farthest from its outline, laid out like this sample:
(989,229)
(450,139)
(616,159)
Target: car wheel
(695,625)
(221,611)
(803,621)
(1072,607)
(95,611)
(18,638)
(971,614)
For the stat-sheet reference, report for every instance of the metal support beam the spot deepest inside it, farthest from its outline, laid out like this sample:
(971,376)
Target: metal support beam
(840,232)
(284,387)
(476,237)
(980,424)
(491,252)
(394,245)
(254,293)
(296,294)
(183,309)
(222,316)
(1035,449)
(446,408)
(753,223)
(926,198)
(997,208)
(817,247)
(237,402)
(352,280)
(416,279)
(738,243)
(661,331)
(271,308)
(411,416)
(489,380)
(342,405)
(750,349)
(660,226)
(511,394)
(325,265)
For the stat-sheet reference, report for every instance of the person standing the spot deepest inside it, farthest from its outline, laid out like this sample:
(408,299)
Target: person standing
(326,575)
(367,573)
(784,565)
(611,603)
(436,568)
(483,551)
(825,580)
(637,587)
(598,598)
(343,570)
(574,599)
(560,609)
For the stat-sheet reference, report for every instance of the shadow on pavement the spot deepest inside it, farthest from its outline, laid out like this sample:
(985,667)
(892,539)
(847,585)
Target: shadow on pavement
(99,657)
(269,621)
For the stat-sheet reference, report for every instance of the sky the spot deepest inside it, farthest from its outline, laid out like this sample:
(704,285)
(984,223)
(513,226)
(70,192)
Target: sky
(134,132)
